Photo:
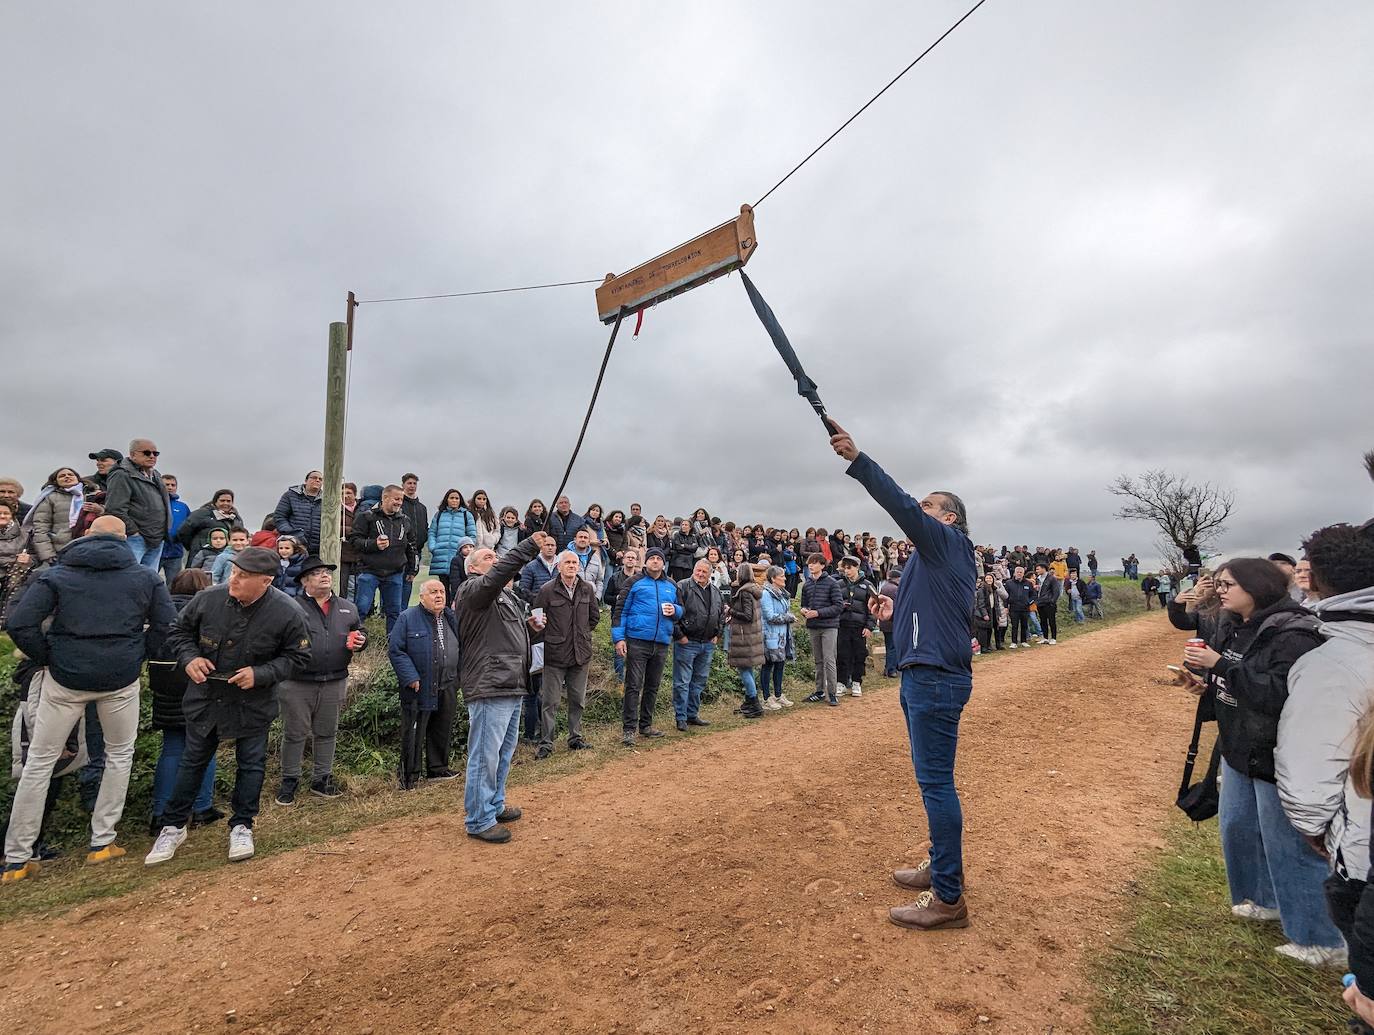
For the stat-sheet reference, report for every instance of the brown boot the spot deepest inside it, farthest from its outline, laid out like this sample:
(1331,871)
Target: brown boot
(916,879)
(929,913)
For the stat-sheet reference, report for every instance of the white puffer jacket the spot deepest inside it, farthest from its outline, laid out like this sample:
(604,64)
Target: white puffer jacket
(1329,689)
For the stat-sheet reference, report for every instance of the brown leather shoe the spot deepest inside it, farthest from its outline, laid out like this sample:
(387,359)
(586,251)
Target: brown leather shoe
(929,913)
(916,879)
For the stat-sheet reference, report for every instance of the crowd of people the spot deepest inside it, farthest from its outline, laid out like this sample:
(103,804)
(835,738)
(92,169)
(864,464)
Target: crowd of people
(110,571)
(225,657)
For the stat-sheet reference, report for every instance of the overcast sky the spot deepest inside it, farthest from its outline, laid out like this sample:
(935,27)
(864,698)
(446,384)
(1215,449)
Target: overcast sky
(1079,239)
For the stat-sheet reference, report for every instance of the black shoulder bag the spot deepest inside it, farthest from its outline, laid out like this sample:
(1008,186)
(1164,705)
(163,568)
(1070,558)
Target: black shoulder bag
(1199,801)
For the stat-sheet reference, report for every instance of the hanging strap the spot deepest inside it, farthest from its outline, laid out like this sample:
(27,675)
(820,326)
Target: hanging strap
(1215,762)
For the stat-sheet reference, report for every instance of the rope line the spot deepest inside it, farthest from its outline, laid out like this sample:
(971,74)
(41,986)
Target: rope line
(600,374)
(489,291)
(884,90)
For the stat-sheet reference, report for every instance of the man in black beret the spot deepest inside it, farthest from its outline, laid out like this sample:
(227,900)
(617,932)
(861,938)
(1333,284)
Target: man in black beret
(236,643)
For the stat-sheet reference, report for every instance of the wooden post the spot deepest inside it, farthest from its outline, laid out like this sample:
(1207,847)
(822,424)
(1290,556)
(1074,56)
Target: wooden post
(335,416)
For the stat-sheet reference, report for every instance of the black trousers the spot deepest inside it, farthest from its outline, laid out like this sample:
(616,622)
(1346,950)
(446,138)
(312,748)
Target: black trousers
(984,633)
(1049,620)
(644,660)
(532,707)
(250,757)
(414,736)
(1001,633)
(851,652)
(1020,626)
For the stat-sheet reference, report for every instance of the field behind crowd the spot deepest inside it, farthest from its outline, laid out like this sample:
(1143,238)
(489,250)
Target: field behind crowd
(1136,940)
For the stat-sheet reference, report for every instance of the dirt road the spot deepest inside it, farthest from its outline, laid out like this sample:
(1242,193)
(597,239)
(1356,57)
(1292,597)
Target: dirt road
(735,882)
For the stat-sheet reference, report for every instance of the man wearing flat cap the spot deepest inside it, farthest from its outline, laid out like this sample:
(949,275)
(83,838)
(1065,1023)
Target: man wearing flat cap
(312,698)
(236,643)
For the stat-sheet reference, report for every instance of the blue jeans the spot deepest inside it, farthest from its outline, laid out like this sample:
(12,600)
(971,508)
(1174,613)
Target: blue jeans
(165,775)
(493,730)
(393,594)
(889,654)
(1077,607)
(746,678)
(1268,862)
(771,675)
(932,701)
(171,566)
(145,555)
(691,666)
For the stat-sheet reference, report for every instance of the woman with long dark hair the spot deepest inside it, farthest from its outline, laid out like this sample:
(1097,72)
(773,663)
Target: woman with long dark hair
(1273,873)
(451,524)
(746,652)
(52,518)
(484,515)
(535,518)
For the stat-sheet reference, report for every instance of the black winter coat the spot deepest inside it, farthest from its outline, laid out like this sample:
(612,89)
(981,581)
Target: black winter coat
(329,653)
(1051,589)
(701,612)
(402,549)
(1020,594)
(99,600)
(167,680)
(194,533)
(298,515)
(854,598)
(268,635)
(1251,682)
(823,596)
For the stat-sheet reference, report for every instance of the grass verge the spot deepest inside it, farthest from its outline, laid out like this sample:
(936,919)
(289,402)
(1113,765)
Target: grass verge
(1185,964)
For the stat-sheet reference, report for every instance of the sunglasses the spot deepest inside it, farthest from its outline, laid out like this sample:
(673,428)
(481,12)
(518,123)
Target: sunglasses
(150,452)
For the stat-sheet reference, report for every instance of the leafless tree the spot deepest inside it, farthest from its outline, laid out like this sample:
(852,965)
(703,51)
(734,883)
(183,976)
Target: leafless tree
(1186,514)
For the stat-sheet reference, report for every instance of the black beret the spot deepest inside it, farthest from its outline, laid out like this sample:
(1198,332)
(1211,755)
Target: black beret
(256,560)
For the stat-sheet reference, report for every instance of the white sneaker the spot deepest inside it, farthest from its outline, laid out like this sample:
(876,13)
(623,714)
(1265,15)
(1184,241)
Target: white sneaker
(773,705)
(856,690)
(240,843)
(1314,955)
(1051,640)
(841,690)
(1250,911)
(168,840)
(785,702)
(1014,646)
(1024,643)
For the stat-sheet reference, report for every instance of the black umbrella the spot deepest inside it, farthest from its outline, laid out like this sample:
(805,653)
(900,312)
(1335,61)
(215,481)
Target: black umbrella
(806,388)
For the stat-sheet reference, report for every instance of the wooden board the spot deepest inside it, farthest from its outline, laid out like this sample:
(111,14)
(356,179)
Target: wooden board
(701,260)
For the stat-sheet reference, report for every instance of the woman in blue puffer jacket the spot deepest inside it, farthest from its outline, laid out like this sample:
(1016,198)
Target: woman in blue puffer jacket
(451,524)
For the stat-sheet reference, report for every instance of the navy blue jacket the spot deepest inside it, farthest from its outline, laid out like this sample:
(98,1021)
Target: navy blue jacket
(411,649)
(1020,594)
(824,596)
(99,600)
(298,515)
(562,529)
(930,620)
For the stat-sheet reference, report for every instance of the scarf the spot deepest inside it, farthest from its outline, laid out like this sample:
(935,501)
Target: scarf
(78,499)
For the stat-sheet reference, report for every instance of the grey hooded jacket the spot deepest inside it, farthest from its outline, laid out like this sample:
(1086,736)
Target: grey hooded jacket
(1329,689)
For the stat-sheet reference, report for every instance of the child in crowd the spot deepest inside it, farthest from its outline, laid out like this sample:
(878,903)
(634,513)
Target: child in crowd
(291,554)
(238,542)
(267,537)
(14,558)
(205,556)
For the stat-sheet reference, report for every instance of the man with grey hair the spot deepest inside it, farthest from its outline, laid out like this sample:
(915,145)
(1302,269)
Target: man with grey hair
(424,651)
(931,618)
(570,611)
(495,676)
(135,494)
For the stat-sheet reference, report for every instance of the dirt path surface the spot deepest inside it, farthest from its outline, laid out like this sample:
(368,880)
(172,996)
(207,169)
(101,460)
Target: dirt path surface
(737,882)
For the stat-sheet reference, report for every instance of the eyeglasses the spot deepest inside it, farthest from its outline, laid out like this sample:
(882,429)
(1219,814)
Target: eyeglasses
(150,452)
(1222,585)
